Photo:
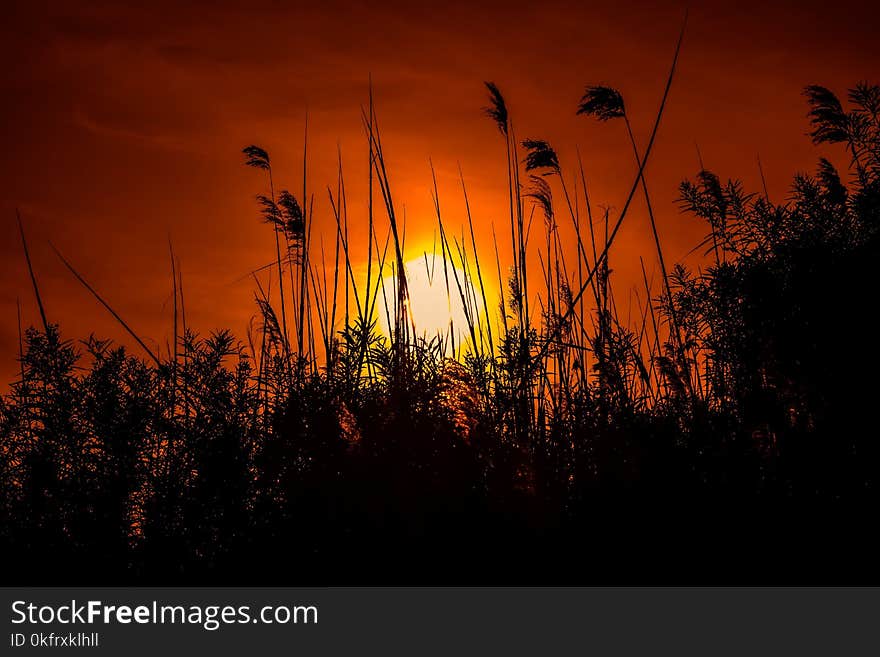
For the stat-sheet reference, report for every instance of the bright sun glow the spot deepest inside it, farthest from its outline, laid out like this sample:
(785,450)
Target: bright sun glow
(432,303)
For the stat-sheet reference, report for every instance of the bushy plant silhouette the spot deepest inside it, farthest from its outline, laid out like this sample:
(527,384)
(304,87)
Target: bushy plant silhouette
(729,434)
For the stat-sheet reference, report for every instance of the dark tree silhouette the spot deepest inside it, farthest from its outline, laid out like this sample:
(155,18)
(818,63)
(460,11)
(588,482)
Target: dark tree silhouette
(737,443)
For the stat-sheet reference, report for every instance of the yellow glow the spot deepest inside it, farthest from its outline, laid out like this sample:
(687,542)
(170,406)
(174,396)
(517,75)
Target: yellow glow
(430,307)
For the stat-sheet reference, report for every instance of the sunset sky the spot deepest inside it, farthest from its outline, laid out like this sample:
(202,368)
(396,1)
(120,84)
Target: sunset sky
(123,125)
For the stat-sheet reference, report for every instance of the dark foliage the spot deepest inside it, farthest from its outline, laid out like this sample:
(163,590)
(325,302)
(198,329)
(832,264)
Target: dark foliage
(497,108)
(540,155)
(604,103)
(754,458)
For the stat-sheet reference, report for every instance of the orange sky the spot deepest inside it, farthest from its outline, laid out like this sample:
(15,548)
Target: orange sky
(123,125)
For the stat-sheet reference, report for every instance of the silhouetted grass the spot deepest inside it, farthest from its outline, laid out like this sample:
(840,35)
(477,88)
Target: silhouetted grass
(711,432)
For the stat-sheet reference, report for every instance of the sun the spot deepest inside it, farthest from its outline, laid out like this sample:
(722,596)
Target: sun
(435,302)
